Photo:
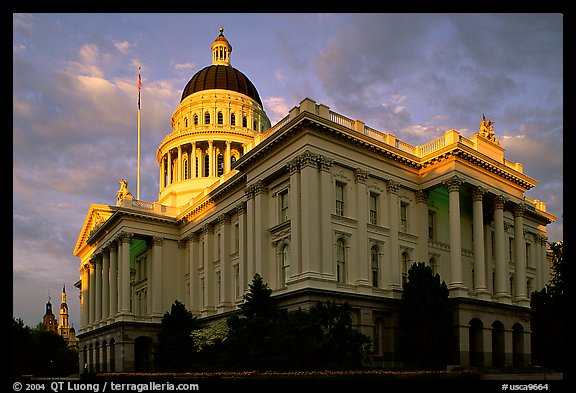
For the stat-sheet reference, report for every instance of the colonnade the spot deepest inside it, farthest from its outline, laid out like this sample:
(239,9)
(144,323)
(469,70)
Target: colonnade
(198,159)
(106,284)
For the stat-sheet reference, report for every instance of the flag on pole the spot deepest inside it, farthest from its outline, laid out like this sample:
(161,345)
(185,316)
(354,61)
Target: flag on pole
(139,87)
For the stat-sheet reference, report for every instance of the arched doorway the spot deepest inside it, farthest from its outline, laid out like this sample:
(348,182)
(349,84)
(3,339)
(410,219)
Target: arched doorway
(518,345)
(498,347)
(143,354)
(476,343)
(112,350)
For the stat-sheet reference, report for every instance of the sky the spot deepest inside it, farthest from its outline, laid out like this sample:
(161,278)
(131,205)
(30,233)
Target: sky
(413,75)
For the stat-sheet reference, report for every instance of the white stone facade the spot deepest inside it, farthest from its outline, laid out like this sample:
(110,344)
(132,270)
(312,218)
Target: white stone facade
(322,207)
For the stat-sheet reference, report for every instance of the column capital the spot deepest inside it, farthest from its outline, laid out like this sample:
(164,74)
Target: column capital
(124,237)
(453,184)
(478,193)
(207,229)
(519,210)
(499,201)
(421,196)
(157,241)
(260,187)
(224,218)
(392,186)
(325,163)
(241,208)
(360,175)
(308,159)
(293,166)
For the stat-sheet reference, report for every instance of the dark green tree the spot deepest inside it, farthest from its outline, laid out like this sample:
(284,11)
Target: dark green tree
(175,350)
(549,306)
(425,320)
(341,345)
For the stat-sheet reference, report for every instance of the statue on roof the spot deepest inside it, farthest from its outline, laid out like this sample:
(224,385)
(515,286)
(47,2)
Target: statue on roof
(487,129)
(123,192)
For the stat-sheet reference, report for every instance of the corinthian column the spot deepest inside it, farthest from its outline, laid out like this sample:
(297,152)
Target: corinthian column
(501,270)
(453,185)
(520,266)
(479,256)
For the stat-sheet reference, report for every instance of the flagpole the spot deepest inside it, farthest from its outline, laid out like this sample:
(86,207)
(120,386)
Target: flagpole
(138,173)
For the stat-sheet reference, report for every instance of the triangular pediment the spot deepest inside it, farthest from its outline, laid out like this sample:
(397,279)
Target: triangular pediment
(97,215)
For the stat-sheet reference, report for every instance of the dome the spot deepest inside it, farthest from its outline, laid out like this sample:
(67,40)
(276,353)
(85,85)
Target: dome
(218,76)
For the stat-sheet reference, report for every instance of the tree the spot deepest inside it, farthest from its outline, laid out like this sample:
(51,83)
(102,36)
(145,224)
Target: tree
(175,349)
(425,319)
(549,305)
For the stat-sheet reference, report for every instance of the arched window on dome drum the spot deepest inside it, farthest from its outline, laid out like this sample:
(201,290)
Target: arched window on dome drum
(244,121)
(255,124)
(220,118)
(185,167)
(195,120)
(220,164)
(206,118)
(233,119)
(206,165)
(185,122)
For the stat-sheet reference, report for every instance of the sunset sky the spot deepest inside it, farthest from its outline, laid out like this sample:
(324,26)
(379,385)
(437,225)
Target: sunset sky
(414,75)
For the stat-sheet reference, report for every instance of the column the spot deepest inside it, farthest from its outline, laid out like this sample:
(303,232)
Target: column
(125,274)
(250,255)
(310,204)
(113,281)
(242,235)
(169,167)
(326,231)
(362,204)
(295,218)
(179,164)
(105,284)
(84,297)
(544,259)
(211,159)
(92,292)
(161,176)
(453,185)
(225,265)
(394,276)
(193,161)
(194,279)
(227,157)
(260,230)
(520,251)
(422,220)
(500,270)
(156,286)
(478,241)
(208,231)
(98,290)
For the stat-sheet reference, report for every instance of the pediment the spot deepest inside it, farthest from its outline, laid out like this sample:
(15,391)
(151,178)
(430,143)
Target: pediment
(97,215)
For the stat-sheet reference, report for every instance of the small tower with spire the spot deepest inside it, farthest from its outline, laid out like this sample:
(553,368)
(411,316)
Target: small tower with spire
(221,50)
(49,320)
(64,326)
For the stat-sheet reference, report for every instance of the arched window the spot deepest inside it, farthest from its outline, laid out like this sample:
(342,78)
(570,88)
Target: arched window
(206,118)
(375,267)
(405,267)
(233,119)
(206,165)
(220,118)
(195,119)
(255,128)
(285,264)
(244,121)
(220,159)
(341,261)
(185,167)
(185,122)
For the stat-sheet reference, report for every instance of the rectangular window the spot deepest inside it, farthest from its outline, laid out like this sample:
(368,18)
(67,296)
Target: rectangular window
(431,224)
(403,217)
(373,209)
(340,199)
(284,206)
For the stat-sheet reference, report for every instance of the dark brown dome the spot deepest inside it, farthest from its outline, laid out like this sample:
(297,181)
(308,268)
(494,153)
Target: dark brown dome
(221,77)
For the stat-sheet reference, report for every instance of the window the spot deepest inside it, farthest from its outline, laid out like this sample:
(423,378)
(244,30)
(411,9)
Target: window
(285,264)
(220,159)
(431,224)
(220,118)
(374,264)
(255,125)
(206,165)
(185,122)
(218,287)
(373,209)
(340,261)
(195,120)
(403,217)
(236,281)
(244,121)
(405,267)
(284,206)
(185,166)
(340,199)
(233,119)
(206,118)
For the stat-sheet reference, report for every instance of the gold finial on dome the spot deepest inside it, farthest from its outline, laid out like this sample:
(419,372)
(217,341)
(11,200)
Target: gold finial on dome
(221,50)
(221,30)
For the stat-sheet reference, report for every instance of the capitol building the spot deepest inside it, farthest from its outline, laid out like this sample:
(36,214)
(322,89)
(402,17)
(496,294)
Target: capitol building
(323,207)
